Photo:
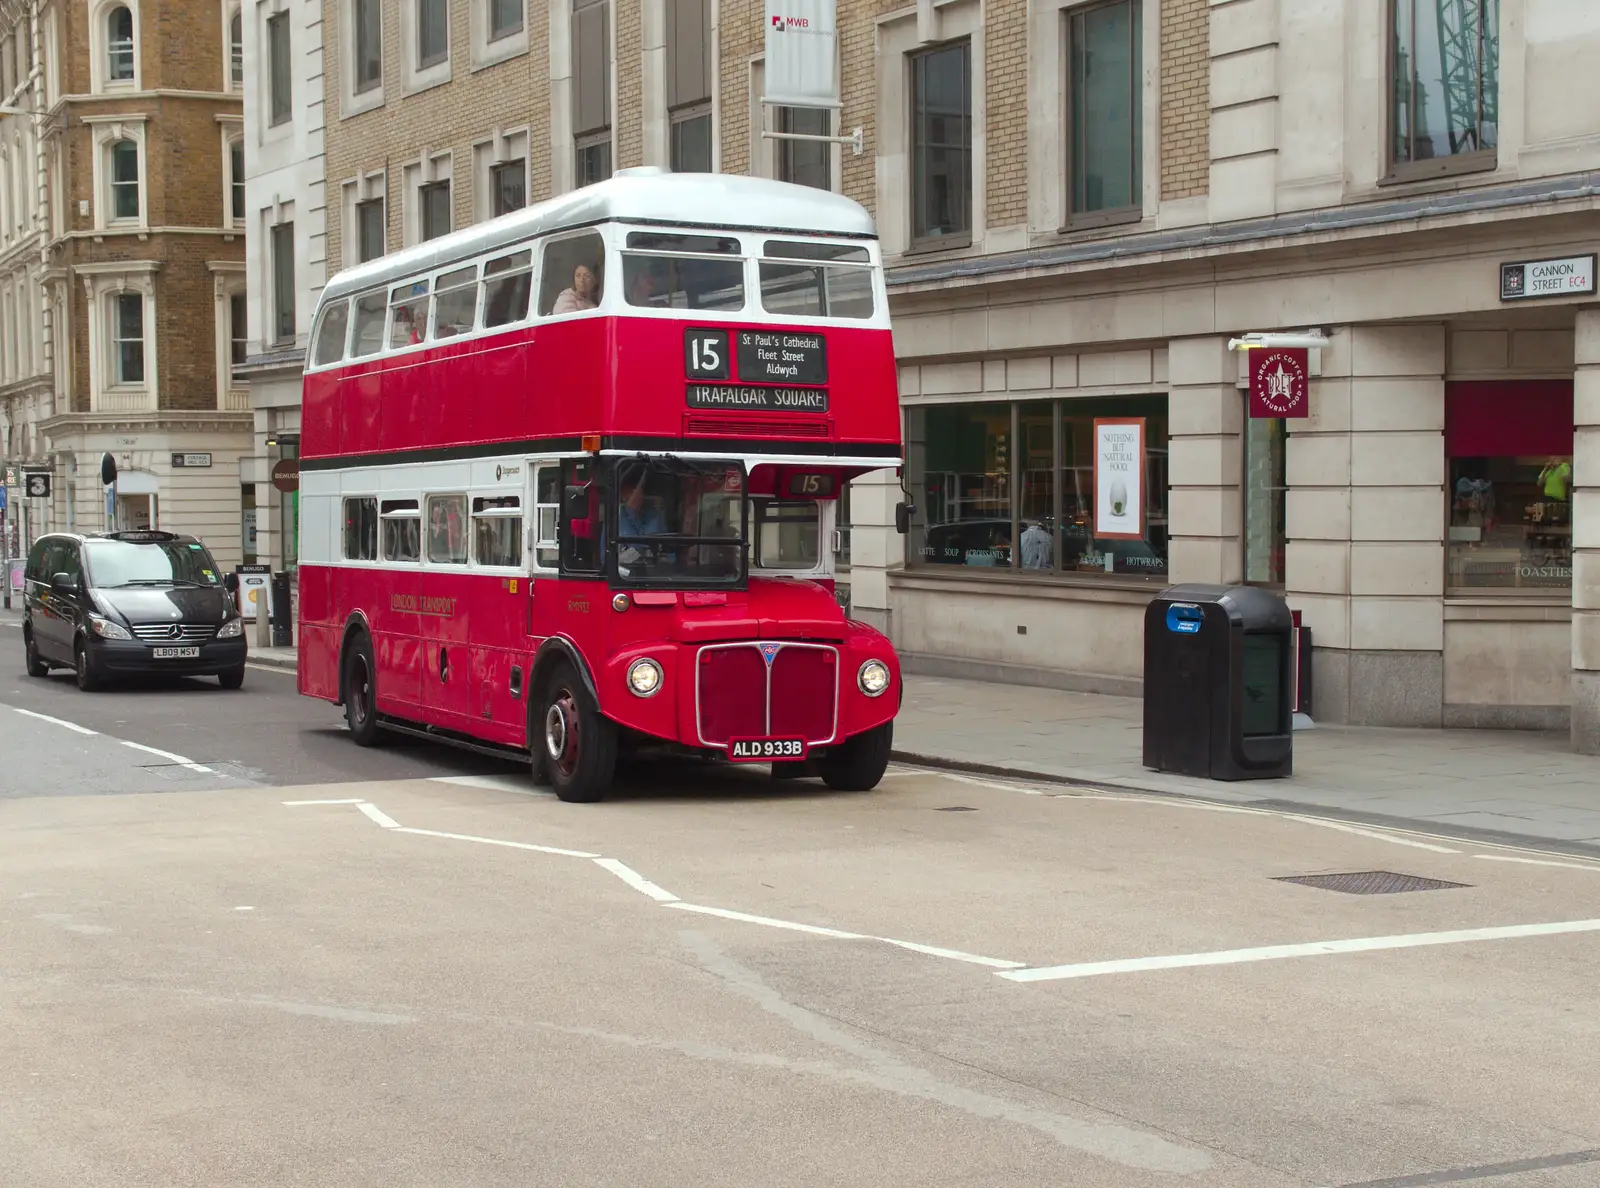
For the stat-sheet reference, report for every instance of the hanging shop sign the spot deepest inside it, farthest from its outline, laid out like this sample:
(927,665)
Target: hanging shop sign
(37,483)
(1568,276)
(1119,478)
(800,40)
(286,474)
(1278,383)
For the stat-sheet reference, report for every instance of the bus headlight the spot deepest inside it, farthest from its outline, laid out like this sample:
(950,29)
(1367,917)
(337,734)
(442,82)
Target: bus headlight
(644,678)
(873,678)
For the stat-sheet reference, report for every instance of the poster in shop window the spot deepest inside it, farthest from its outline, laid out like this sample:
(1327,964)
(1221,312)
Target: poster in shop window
(1119,478)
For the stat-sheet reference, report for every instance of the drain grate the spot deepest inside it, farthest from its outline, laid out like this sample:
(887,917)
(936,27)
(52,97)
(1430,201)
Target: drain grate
(956,808)
(1370,882)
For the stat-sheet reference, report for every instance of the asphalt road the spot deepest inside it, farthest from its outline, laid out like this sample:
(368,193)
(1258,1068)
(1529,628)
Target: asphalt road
(416,970)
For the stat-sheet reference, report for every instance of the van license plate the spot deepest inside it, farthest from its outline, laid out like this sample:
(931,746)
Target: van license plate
(760,750)
(175,653)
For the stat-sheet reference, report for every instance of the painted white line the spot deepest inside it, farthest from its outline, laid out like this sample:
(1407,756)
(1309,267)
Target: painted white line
(494,841)
(1092,969)
(297,803)
(190,764)
(375,813)
(788,925)
(952,954)
(636,880)
(56,721)
(1375,835)
(522,787)
(1537,862)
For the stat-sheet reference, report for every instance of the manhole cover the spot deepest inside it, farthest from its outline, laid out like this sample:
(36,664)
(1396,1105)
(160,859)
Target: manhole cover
(1370,882)
(956,808)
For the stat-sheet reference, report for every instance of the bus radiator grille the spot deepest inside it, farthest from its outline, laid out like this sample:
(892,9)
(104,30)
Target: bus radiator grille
(732,426)
(804,684)
(739,696)
(732,694)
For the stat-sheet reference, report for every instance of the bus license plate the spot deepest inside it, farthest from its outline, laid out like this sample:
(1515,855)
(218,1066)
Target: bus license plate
(175,653)
(759,750)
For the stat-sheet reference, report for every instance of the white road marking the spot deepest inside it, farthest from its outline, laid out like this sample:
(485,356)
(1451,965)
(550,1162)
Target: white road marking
(1375,835)
(244,908)
(768,921)
(1091,969)
(636,880)
(522,787)
(373,812)
(1537,862)
(952,954)
(297,803)
(494,841)
(190,764)
(55,721)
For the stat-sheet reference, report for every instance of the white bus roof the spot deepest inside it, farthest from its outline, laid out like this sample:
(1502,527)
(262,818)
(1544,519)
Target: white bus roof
(650,195)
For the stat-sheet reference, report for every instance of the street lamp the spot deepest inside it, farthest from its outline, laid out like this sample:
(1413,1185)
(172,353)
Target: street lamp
(1311,340)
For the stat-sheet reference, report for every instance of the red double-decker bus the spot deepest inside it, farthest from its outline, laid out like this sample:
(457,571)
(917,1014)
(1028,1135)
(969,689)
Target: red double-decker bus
(569,481)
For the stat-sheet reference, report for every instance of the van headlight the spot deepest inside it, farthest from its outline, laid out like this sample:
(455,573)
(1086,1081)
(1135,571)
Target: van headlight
(644,678)
(232,629)
(873,678)
(106,629)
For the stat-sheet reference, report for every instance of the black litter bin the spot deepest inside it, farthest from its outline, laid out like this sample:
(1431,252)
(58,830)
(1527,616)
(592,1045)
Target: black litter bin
(1218,683)
(282,613)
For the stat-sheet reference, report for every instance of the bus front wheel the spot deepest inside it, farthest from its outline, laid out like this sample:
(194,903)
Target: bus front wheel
(573,744)
(859,764)
(361,692)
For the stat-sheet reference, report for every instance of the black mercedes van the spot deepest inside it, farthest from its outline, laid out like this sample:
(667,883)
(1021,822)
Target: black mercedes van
(117,603)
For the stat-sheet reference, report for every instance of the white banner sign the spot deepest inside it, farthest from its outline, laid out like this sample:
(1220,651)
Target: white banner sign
(1119,478)
(800,53)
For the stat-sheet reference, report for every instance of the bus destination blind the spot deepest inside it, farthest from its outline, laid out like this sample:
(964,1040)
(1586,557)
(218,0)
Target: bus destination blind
(782,357)
(747,397)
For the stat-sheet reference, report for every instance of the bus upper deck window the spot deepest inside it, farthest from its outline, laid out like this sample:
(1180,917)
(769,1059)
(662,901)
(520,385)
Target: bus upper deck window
(683,282)
(409,325)
(368,338)
(455,302)
(823,280)
(573,279)
(331,333)
(506,284)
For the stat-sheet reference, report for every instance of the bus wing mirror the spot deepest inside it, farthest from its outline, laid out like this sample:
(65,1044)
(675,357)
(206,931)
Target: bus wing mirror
(902,517)
(577,498)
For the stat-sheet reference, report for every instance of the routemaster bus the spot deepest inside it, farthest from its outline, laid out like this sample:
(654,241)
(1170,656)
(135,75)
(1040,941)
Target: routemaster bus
(570,478)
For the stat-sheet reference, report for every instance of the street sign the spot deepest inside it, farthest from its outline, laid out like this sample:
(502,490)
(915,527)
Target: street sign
(37,484)
(1569,276)
(190,461)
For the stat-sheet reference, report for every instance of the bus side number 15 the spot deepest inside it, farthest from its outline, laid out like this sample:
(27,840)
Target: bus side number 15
(706,353)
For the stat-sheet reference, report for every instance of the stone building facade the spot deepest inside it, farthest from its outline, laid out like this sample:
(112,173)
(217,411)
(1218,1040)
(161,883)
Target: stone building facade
(134,105)
(1081,202)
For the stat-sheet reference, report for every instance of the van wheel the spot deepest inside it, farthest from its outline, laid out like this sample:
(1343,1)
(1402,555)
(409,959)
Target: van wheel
(859,764)
(360,685)
(88,679)
(233,678)
(36,666)
(574,744)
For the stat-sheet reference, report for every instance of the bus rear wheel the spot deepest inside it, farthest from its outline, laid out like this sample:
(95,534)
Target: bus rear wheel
(859,764)
(573,744)
(360,686)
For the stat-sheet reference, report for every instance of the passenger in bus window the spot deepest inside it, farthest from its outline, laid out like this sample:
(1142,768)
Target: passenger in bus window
(642,288)
(584,293)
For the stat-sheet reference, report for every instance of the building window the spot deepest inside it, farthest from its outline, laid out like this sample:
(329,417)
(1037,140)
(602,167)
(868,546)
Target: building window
(369,229)
(691,141)
(238,329)
(941,143)
(119,44)
(283,282)
(127,338)
(124,180)
(236,180)
(433,202)
(279,82)
(805,162)
(1011,485)
(236,49)
(1104,104)
(505,18)
(368,22)
(591,89)
(1510,447)
(1265,499)
(508,187)
(1446,72)
(433,32)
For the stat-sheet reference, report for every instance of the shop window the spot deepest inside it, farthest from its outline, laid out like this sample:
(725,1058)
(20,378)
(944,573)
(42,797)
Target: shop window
(1265,500)
(1445,73)
(1012,486)
(1105,112)
(1510,448)
(941,144)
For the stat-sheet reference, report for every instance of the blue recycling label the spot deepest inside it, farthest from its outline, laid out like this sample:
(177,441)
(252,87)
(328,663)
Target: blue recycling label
(1184,618)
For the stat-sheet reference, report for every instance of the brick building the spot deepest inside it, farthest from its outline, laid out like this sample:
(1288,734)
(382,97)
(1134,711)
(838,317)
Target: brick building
(1081,202)
(134,106)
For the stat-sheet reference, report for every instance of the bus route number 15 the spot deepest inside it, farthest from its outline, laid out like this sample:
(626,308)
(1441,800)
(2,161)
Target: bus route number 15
(706,353)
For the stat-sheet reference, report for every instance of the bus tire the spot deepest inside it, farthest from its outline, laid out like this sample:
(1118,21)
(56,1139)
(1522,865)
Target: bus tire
(574,744)
(860,762)
(359,685)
